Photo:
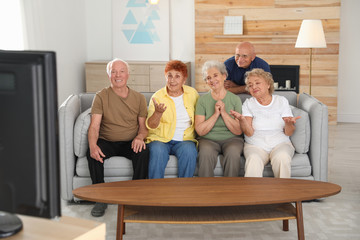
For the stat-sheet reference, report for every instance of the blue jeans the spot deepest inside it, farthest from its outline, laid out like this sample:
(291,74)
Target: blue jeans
(185,151)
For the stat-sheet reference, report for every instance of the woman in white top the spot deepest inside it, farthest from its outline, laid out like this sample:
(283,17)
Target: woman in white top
(267,122)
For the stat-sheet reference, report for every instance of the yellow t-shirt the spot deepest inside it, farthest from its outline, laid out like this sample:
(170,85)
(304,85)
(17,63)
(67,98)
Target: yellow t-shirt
(166,129)
(119,115)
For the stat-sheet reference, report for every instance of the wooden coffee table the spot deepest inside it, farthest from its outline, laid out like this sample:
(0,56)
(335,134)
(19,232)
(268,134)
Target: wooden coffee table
(208,200)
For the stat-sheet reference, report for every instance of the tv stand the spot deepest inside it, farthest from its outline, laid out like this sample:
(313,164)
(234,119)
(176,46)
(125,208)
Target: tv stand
(10,224)
(64,228)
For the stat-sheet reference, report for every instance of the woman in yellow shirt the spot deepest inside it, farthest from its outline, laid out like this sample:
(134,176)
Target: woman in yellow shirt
(171,123)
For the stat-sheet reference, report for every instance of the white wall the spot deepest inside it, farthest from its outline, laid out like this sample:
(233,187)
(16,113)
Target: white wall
(98,30)
(59,26)
(349,62)
(182,30)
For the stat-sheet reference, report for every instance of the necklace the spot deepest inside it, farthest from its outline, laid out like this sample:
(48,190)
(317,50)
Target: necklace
(265,101)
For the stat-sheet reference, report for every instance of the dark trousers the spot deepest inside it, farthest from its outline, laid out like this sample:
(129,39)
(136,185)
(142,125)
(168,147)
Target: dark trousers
(140,160)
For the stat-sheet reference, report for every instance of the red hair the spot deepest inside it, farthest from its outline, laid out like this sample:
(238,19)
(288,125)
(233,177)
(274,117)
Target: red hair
(177,66)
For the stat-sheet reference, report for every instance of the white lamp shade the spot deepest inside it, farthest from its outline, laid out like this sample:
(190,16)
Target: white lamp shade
(311,35)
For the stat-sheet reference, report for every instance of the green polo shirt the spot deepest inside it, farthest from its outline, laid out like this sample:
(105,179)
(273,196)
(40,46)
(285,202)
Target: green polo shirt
(206,107)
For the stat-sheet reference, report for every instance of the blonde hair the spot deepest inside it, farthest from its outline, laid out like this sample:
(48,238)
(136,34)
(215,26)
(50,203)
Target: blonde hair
(259,72)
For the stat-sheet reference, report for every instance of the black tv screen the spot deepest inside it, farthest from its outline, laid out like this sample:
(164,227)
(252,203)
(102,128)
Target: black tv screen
(29,154)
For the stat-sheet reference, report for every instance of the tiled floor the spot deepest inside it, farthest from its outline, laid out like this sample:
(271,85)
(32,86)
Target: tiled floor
(336,217)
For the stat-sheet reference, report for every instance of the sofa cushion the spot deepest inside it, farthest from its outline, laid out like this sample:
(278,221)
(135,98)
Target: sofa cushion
(80,133)
(301,136)
(300,167)
(113,167)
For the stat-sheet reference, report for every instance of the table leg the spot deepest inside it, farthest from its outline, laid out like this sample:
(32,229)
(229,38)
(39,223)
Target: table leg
(120,229)
(300,221)
(286,225)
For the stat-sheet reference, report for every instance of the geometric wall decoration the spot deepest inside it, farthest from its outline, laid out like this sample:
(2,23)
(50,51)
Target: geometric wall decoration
(141,30)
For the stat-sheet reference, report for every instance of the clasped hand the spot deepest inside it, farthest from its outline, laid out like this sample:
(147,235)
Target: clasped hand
(219,107)
(229,84)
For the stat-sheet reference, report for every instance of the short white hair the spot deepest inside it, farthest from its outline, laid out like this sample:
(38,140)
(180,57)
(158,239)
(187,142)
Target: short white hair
(108,66)
(220,66)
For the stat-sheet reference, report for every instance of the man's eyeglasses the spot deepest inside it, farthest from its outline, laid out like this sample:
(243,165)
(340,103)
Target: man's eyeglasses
(237,56)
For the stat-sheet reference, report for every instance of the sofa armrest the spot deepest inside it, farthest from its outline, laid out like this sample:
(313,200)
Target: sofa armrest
(68,113)
(318,152)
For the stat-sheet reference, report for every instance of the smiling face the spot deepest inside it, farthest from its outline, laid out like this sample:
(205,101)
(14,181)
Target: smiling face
(214,79)
(119,74)
(244,55)
(174,81)
(257,86)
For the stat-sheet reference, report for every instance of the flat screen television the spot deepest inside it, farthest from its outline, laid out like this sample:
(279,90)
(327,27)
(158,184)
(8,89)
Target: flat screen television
(29,152)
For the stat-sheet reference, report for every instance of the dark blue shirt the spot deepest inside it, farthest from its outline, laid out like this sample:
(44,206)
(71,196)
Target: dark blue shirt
(236,73)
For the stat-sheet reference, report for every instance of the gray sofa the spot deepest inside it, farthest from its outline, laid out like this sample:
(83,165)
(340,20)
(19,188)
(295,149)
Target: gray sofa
(310,140)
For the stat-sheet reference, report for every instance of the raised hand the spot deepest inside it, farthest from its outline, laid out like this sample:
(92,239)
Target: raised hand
(290,120)
(237,115)
(159,107)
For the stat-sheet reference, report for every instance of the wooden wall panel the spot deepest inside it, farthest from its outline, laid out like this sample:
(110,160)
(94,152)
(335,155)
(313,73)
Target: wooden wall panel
(306,3)
(286,13)
(216,4)
(272,26)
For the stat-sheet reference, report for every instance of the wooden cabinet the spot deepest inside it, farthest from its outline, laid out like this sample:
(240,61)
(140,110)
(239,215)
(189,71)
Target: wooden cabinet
(144,76)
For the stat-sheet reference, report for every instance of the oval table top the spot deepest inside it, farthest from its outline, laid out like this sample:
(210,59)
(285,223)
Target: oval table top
(206,192)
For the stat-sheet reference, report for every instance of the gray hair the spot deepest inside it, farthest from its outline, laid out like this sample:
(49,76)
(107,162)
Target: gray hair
(109,65)
(213,64)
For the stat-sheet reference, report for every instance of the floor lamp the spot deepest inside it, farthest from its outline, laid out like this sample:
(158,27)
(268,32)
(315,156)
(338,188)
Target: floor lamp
(311,35)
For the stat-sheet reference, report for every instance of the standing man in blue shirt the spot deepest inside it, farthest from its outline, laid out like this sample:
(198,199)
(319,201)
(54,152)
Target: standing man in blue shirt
(244,60)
